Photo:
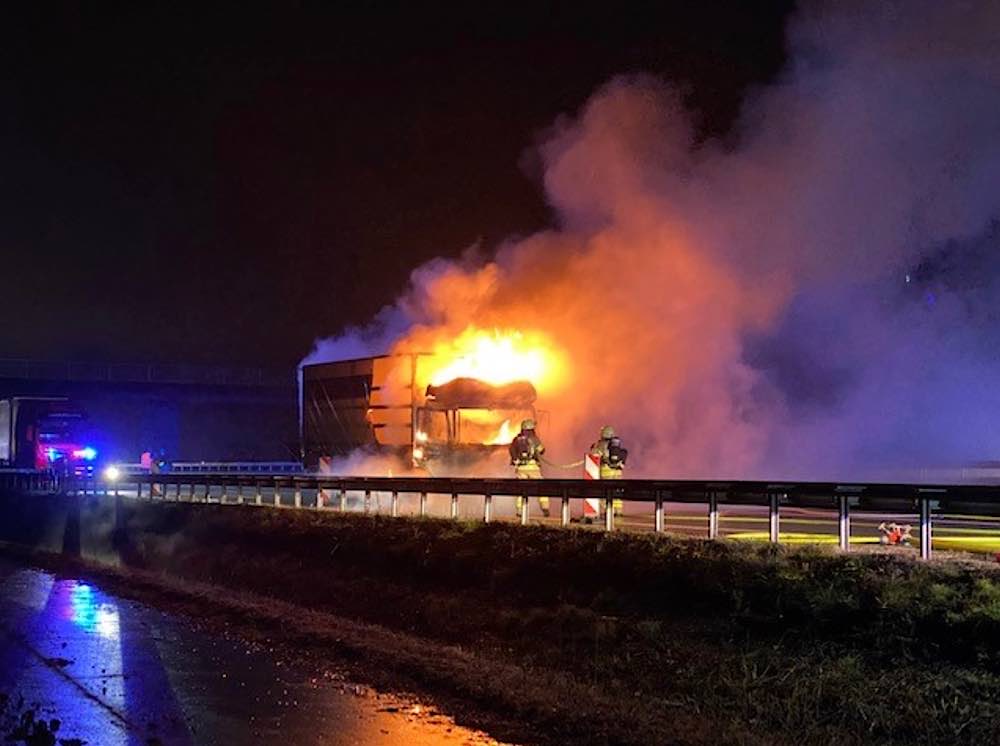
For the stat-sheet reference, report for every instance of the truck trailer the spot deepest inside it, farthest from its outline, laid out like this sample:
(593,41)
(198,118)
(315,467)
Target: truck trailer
(380,405)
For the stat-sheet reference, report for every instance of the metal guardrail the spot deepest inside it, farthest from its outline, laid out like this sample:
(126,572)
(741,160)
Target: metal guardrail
(217,467)
(236,467)
(28,480)
(842,496)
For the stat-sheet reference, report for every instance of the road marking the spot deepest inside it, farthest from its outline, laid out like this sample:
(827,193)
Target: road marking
(796,538)
(973,543)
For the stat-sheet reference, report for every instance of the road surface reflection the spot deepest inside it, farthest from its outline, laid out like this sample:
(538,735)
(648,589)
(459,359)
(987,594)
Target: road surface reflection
(97,669)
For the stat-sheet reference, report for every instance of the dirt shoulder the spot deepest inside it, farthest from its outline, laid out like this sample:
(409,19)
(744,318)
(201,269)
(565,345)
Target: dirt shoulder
(553,636)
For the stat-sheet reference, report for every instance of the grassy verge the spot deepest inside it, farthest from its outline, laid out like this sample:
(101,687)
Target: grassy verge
(597,638)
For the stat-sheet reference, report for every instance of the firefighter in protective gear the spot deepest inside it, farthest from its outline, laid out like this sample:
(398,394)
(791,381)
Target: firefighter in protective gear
(613,456)
(525,454)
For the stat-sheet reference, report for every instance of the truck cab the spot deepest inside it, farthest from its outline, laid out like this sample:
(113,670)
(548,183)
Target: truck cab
(466,420)
(47,434)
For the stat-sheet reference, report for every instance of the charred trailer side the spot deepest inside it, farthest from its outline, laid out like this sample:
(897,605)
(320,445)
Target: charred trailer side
(364,404)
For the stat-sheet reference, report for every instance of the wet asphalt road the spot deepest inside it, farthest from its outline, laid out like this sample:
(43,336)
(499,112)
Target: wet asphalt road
(112,671)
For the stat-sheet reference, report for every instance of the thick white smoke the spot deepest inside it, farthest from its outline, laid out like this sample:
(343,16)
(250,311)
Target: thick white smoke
(817,297)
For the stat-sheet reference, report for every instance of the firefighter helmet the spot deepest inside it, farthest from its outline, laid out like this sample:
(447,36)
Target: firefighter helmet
(527,425)
(607,432)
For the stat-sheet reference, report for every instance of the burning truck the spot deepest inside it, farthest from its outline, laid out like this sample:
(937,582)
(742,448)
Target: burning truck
(439,418)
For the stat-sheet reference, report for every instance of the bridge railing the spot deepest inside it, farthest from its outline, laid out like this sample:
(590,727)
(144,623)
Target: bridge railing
(331,493)
(159,373)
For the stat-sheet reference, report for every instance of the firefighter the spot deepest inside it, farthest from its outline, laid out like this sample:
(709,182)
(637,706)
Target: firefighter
(525,454)
(613,456)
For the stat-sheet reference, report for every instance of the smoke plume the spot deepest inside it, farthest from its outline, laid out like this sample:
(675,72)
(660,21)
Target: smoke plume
(814,297)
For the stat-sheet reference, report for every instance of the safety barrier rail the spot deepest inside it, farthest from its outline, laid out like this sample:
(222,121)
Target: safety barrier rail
(215,467)
(28,480)
(229,467)
(331,492)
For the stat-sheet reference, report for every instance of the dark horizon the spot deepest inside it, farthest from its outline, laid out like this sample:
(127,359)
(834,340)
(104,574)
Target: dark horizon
(223,189)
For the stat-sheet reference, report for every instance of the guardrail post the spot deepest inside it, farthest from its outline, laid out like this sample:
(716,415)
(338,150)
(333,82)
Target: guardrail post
(454,505)
(773,518)
(925,527)
(564,510)
(239,493)
(298,495)
(713,515)
(658,513)
(423,504)
(319,497)
(277,495)
(487,508)
(258,496)
(394,504)
(368,502)
(525,500)
(343,500)
(844,523)
(609,511)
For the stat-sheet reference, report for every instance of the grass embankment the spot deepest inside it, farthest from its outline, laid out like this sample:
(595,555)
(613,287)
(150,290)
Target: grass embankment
(622,638)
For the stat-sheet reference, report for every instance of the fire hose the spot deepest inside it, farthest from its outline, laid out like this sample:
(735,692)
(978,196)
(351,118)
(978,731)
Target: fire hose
(574,465)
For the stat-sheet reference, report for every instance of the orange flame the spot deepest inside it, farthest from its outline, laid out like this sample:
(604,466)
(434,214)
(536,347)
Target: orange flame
(497,357)
(503,435)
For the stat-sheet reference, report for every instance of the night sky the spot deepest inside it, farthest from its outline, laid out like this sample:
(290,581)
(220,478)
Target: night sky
(225,187)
